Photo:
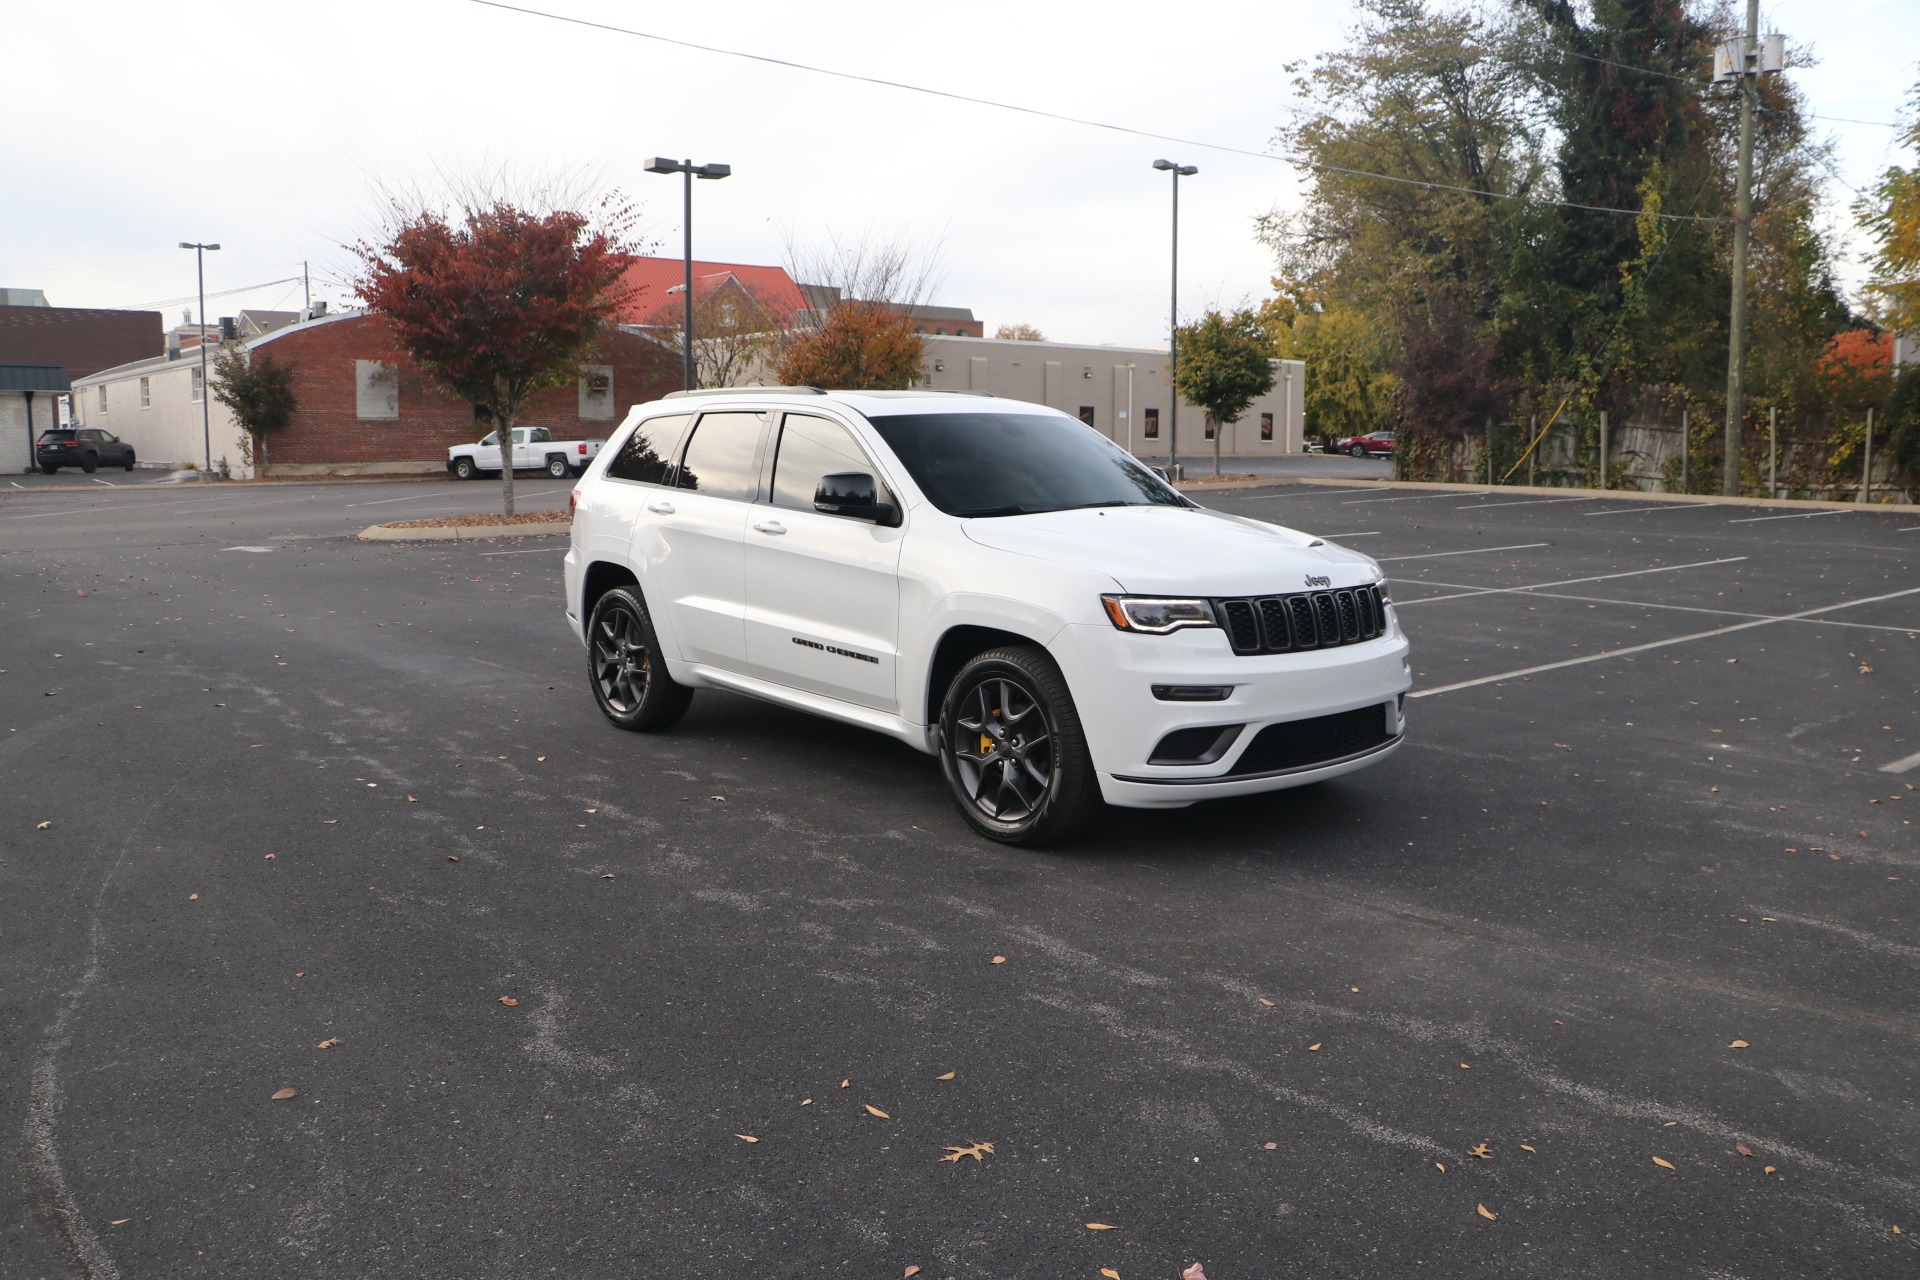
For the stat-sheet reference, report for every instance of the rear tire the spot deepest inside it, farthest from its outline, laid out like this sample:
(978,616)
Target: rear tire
(90,463)
(557,466)
(129,459)
(463,469)
(629,680)
(46,470)
(1012,749)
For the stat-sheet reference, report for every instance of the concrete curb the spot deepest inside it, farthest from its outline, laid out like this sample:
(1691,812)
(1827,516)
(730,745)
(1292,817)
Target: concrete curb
(1610,495)
(460,533)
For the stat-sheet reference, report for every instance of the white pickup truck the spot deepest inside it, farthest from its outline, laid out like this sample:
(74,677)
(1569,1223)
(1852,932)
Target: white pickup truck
(534,449)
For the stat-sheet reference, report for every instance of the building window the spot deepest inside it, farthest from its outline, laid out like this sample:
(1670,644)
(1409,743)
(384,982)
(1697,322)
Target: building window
(1086,414)
(376,390)
(197,391)
(596,392)
(1209,426)
(146,393)
(1266,426)
(1151,428)
(103,397)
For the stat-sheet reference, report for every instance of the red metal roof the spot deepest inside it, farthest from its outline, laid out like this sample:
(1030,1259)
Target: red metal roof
(772,287)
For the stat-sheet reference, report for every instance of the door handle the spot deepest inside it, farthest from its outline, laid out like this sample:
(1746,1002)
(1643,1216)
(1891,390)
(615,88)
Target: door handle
(660,508)
(770,526)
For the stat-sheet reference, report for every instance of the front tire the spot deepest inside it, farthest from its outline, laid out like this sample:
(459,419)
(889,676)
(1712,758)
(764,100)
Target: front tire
(629,680)
(90,463)
(129,459)
(557,466)
(1012,749)
(1358,451)
(463,469)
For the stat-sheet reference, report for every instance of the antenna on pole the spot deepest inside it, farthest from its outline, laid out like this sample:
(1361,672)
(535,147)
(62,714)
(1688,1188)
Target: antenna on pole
(1742,60)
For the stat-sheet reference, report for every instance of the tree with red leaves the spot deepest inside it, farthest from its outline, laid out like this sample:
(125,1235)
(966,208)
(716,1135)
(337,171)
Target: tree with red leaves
(861,346)
(501,304)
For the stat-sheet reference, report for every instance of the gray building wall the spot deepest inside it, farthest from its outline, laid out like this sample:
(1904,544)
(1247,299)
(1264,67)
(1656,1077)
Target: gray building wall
(1077,379)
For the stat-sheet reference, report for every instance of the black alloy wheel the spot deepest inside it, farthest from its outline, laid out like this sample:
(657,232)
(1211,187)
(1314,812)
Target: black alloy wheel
(629,681)
(1013,751)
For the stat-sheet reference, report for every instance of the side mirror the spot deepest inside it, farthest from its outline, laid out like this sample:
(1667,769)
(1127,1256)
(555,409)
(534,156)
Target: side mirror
(853,494)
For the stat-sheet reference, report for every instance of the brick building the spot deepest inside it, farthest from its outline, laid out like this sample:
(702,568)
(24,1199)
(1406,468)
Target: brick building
(81,340)
(361,409)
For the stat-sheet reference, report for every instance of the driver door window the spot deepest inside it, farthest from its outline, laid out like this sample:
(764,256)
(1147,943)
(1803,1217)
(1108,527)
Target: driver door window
(810,448)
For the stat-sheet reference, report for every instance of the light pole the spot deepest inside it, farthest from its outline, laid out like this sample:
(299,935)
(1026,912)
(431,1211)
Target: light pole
(1178,171)
(206,392)
(1130,408)
(660,164)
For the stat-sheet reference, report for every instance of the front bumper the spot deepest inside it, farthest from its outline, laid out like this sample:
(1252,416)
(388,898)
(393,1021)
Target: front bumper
(1112,672)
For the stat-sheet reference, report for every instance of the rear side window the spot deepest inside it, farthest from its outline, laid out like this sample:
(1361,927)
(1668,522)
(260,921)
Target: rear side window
(647,454)
(810,448)
(723,458)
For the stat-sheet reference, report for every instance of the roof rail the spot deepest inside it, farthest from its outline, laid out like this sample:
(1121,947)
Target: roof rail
(744,391)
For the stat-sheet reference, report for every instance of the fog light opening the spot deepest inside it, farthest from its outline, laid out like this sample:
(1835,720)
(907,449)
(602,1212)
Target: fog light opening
(1193,692)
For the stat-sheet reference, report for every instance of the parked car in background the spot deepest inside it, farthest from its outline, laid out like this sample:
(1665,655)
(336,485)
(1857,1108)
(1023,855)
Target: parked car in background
(995,583)
(1378,444)
(83,447)
(534,449)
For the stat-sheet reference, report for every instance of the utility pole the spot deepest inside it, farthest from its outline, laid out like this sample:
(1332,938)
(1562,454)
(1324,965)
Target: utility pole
(306,287)
(1742,59)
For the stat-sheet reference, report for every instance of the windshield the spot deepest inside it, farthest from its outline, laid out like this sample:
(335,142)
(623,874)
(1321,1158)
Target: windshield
(1013,464)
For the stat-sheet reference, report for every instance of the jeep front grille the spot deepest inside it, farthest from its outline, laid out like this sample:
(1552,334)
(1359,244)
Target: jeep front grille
(1308,620)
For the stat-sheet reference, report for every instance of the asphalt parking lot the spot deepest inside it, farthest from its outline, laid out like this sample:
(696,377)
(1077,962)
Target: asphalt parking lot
(1620,948)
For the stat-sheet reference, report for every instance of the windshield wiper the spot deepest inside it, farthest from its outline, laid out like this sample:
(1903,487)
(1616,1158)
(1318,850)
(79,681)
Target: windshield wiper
(1011,510)
(1116,502)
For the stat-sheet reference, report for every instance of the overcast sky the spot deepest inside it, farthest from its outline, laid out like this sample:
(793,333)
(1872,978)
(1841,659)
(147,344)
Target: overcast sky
(132,126)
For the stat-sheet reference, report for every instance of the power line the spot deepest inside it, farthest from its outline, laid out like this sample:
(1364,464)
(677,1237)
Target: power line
(1301,161)
(223,293)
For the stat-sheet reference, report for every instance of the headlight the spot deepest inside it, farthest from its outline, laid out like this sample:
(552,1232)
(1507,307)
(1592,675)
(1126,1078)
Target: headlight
(1157,615)
(1381,587)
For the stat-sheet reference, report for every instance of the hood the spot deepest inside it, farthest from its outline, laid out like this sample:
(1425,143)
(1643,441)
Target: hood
(1177,550)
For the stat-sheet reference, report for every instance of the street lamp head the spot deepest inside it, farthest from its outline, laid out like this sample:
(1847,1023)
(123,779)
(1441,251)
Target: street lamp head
(1163,164)
(188,244)
(1187,170)
(660,164)
(713,171)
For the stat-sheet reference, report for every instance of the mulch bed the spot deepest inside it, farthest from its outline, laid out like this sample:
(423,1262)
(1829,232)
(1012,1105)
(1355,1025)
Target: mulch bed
(469,522)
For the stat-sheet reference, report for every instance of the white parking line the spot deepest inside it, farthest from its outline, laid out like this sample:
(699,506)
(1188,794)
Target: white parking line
(1371,533)
(1565,582)
(1912,528)
(1797,515)
(1651,506)
(1475,551)
(110,484)
(1527,502)
(1544,594)
(1903,764)
(1662,644)
(557,551)
(1354,502)
(412,497)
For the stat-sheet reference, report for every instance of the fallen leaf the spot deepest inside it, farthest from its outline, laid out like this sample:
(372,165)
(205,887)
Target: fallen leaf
(998,960)
(1739,1044)
(267,858)
(1270,1146)
(1193,1273)
(1466,1066)
(947,1076)
(1486,1213)
(746,1137)
(1525,1147)
(1768,1169)
(328,1043)
(1101,1226)
(1110,1273)
(1897,1231)
(330,821)
(1669,1124)
(1743,1148)
(281,1095)
(453,857)
(1313,1048)
(412,800)
(121,1222)
(193,897)
(806,1102)
(1442,1168)
(589,811)
(909,1273)
(1266,1002)
(1480,1151)
(42,826)
(846,1084)
(979,1151)
(1664,1164)
(508,1001)
(875,1111)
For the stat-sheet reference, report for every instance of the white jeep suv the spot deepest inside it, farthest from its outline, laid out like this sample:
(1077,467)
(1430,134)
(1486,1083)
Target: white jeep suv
(993,582)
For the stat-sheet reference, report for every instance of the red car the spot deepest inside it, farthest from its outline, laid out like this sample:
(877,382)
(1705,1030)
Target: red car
(1379,444)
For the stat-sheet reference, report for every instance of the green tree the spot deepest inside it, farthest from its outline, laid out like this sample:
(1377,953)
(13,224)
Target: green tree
(260,394)
(1890,210)
(1021,332)
(1349,389)
(1226,363)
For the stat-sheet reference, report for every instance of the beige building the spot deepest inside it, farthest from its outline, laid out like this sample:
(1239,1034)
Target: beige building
(155,405)
(1120,391)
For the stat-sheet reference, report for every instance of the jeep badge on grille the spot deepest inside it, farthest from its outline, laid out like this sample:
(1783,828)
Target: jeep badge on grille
(1318,582)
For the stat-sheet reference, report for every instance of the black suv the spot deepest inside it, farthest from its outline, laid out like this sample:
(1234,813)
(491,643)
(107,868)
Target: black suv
(85,448)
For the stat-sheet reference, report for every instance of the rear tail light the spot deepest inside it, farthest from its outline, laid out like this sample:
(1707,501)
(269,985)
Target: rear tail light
(573,502)
(583,448)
